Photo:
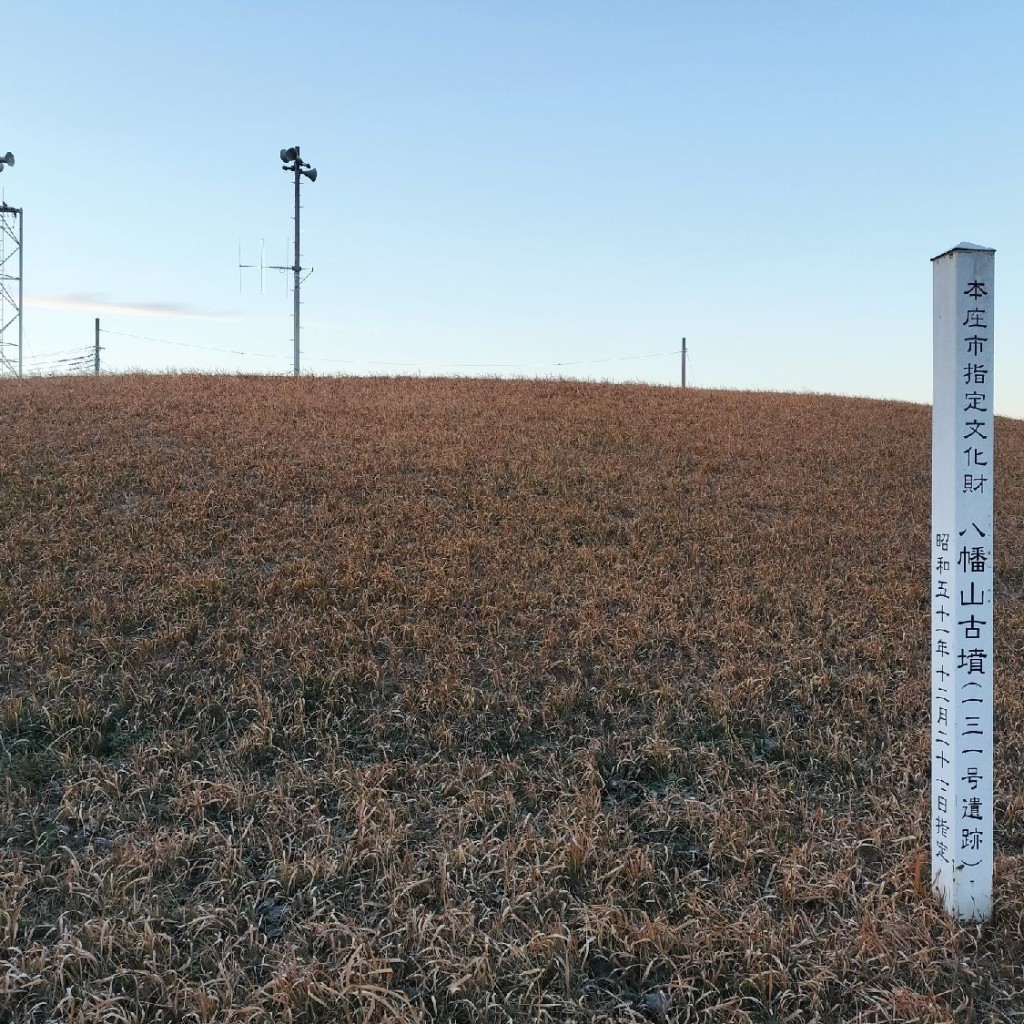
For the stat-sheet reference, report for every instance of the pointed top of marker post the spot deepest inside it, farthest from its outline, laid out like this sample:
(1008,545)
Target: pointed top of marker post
(963,247)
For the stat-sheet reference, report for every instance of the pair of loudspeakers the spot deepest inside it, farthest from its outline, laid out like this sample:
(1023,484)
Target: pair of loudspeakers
(292,153)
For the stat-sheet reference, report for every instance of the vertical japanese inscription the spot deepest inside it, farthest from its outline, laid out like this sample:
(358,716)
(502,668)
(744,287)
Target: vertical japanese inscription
(962,546)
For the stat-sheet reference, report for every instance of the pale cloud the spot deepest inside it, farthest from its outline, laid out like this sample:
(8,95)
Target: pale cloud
(100,304)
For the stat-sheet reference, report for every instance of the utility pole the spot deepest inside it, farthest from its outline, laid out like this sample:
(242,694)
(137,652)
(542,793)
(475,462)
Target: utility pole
(291,156)
(684,362)
(296,270)
(96,351)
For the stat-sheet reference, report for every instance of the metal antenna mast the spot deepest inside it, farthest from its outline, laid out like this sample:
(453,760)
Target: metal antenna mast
(8,215)
(293,162)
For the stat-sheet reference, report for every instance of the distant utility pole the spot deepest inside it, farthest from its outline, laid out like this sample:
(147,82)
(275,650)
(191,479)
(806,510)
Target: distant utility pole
(684,362)
(96,350)
(293,163)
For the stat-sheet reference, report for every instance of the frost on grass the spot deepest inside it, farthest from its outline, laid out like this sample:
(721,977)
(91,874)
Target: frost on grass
(417,700)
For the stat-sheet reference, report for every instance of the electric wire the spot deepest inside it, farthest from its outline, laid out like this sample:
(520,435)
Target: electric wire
(49,357)
(76,359)
(384,362)
(65,361)
(184,344)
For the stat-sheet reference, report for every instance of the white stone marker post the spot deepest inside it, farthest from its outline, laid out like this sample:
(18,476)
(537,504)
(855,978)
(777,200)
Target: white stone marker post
(962,429)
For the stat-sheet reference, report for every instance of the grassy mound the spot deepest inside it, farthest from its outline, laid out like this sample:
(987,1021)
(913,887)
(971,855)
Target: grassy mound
(460,700)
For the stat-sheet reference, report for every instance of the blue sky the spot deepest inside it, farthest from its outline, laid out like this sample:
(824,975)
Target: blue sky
(519,185)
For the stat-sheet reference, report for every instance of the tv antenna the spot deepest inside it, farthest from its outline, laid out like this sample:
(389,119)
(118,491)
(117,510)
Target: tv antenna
(262,266)
(250,266)
(10,307)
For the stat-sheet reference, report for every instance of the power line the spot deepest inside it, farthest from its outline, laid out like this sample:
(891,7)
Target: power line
(60,362)
(49,357)
(78,364)
(387,362)
(184,344)
(616,359)
(63,361)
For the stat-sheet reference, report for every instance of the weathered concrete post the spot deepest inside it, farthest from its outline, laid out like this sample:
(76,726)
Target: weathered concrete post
(962,547)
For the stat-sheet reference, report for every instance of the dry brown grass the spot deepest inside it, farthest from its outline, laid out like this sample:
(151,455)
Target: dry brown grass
(455,700)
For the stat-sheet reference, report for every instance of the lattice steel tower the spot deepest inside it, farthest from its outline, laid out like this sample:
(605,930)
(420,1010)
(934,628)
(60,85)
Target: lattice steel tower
(12,235)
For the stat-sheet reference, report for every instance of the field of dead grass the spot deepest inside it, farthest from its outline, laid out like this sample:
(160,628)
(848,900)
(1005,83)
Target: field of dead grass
(474,700)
